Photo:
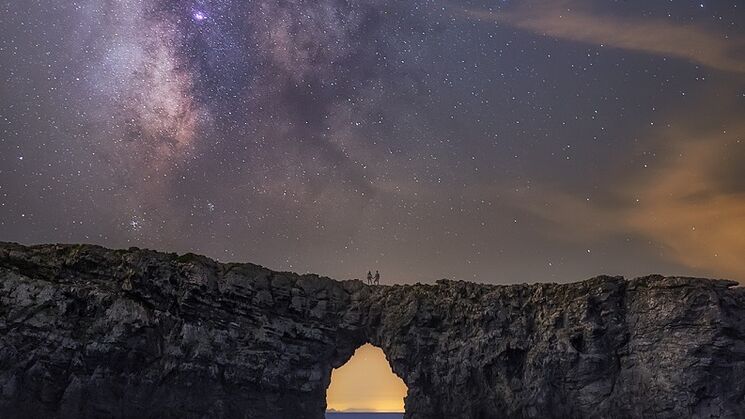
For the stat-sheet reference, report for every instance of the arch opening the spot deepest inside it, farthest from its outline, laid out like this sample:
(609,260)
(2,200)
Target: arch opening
(365,384)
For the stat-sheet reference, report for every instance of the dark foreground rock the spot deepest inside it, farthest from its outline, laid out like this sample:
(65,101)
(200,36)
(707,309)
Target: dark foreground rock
(87,332)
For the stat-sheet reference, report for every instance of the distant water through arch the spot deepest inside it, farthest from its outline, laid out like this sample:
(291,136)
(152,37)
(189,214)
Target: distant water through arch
(365,388)
(347,415)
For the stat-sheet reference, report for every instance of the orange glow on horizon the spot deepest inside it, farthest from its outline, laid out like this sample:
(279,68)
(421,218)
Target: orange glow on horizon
(366,384)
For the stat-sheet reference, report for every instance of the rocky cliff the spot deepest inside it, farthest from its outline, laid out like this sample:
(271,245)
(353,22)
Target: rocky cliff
(87,332)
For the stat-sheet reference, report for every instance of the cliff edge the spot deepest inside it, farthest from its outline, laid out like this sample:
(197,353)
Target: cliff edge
(88,332)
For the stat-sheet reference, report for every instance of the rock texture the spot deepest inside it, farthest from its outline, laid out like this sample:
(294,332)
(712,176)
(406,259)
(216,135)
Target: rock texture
(87,332)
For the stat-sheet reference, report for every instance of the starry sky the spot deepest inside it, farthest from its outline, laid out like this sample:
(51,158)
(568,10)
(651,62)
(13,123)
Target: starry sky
(500,141)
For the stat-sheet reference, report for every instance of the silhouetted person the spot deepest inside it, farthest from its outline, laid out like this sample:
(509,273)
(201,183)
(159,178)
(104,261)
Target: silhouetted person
(369,278)
(377,278)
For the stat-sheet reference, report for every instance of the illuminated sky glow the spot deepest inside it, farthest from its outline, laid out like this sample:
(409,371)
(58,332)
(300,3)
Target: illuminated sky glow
(366,383)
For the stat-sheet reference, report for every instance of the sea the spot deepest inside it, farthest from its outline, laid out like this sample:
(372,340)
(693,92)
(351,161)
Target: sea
(336,415)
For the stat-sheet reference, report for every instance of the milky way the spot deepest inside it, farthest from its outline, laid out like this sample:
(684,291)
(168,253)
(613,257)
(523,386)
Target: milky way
(491,141)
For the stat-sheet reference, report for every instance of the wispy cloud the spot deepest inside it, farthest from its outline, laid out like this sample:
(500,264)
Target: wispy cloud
(692,204)
(566,20)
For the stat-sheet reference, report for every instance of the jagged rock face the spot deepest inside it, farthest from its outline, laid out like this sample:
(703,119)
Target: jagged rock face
(90,332)
(653,347)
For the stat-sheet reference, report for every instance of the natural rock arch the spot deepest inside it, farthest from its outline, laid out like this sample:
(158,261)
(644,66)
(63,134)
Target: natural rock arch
(89,332)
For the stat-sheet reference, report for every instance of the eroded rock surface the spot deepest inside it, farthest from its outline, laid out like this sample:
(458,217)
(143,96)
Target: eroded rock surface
(87,332)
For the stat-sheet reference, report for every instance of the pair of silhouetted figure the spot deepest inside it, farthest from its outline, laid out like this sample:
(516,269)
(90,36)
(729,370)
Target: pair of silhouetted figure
(370,280)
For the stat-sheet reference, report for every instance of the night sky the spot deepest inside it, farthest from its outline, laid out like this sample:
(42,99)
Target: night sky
(497,141)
